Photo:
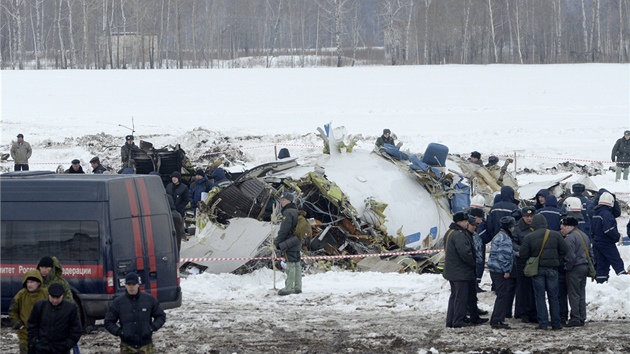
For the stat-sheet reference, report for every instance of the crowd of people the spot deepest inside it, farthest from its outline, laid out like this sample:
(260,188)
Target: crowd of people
(569,244)
(568,241)
(47,319)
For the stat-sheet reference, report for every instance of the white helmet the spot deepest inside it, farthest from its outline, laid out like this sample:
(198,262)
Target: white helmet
(606,199)
(477,201)
(573,204)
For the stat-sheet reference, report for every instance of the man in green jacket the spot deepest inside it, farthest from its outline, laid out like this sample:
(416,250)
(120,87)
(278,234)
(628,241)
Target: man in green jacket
(22,304)
(51,271)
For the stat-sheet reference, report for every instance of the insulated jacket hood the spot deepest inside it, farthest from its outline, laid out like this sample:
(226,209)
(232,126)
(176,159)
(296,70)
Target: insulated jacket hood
(539,222)
(551,201)
(507,194)
(34,273)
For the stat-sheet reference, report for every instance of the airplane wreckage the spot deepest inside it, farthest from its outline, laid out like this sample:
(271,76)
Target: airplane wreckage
(358,202)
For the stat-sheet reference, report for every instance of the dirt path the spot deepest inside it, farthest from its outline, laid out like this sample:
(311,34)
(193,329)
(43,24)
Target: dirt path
(306,327)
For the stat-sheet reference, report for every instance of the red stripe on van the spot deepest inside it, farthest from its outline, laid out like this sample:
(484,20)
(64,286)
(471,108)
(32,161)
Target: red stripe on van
(135,224)
(146,207)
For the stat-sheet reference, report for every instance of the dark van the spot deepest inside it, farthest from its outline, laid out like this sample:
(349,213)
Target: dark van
(100,227)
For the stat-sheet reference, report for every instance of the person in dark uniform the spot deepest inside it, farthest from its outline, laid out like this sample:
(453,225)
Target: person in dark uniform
(54,325)
(290,244)
(134,317)
(97,168)
(75,167)
(386,138)
(126,150)
(459,269)
(621,155)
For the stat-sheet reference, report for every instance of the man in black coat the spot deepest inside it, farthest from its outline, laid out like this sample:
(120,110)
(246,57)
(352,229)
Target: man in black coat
(54,325)
(178,223)
(179,192)
(386,138)
(134,317)
(525,306)
(459,269)
(126,151)
(75,167)
(291,245)
(97,168)
(546,280)
(621,153)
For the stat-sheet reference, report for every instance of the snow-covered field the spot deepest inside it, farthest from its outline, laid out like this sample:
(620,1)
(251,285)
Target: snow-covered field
(545,115)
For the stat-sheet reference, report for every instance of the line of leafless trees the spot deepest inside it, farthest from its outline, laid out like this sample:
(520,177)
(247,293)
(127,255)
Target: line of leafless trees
(118,34)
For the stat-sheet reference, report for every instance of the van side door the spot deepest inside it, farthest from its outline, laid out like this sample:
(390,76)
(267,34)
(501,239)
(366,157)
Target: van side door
(142,240)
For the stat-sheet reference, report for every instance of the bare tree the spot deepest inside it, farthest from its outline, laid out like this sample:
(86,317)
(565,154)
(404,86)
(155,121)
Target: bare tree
(335,11)
(73,49)
(275,30)
(408,32)
(62,49)
(621,27)
(518,33)
(492,30)
(584,29)
(557,7)
(427,4)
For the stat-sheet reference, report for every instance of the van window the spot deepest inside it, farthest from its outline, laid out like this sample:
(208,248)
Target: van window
(67,240)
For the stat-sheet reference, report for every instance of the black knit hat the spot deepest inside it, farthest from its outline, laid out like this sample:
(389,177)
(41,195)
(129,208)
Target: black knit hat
(176,174)
(475,154)
(386,131)
(199,172)
(46,261)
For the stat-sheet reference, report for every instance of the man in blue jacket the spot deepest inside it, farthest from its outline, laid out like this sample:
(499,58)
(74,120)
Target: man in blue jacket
(134,317)
(551,212)
(578,190)
(506,205)
(605,238)
(500,264)
(200,185)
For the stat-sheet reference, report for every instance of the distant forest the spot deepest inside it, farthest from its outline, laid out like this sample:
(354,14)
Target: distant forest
(171,34)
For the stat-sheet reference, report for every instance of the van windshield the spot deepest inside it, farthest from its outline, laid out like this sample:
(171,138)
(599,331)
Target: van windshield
(67,240)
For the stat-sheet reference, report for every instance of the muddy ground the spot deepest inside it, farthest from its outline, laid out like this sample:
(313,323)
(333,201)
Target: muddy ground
(303,324)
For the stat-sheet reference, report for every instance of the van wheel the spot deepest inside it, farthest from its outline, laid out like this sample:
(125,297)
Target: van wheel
(86,321)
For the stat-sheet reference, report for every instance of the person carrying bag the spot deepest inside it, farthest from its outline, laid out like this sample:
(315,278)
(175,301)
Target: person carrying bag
(531,267)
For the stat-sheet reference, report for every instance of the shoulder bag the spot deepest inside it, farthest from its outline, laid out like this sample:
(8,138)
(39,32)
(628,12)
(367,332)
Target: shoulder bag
(531,266)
